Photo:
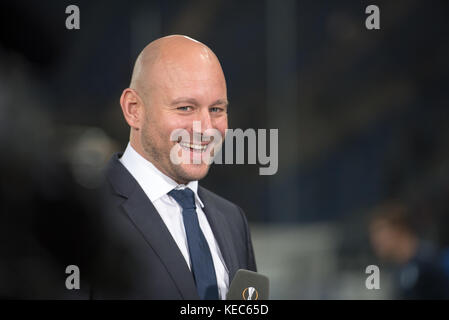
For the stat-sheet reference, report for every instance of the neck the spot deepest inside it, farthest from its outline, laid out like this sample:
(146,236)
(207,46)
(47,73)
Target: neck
(138,148)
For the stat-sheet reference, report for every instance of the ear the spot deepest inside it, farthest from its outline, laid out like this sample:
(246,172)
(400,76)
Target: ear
(132,107)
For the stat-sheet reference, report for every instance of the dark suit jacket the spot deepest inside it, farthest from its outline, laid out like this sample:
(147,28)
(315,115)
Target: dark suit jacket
(136,256)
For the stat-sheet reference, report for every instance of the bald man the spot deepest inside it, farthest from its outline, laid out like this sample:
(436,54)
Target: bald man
(164,236)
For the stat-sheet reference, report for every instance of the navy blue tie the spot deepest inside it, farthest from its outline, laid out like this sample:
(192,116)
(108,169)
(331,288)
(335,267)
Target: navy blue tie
(201,259)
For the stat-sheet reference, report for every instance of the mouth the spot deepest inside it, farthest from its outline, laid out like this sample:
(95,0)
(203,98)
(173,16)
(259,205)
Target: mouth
(193,147)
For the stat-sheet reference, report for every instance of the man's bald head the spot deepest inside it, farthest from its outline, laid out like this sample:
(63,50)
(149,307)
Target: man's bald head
(164,56)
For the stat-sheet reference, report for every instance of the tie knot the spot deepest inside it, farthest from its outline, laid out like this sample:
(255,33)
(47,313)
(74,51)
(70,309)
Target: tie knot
(185,198)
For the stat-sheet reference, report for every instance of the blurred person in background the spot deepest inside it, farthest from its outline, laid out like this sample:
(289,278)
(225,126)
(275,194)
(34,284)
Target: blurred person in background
(418,270)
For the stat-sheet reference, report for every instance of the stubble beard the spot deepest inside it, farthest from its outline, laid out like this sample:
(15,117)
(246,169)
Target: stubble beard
(161,160)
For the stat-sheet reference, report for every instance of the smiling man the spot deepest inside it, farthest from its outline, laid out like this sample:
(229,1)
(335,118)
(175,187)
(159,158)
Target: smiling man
(164,236)
(176,81)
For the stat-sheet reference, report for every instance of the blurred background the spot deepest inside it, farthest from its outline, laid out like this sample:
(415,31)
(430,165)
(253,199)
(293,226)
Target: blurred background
(362,119)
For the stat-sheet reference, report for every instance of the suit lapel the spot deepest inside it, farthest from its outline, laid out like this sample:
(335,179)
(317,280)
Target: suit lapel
(220,228)
(149,223)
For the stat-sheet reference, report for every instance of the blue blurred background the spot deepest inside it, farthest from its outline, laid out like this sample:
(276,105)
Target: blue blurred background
(362,118)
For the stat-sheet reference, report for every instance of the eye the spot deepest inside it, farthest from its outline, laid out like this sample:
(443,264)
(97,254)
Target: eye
(216,109)
(184,108)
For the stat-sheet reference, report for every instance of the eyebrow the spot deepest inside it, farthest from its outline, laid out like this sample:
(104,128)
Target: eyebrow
(184,100)
(220,102)
(195,102)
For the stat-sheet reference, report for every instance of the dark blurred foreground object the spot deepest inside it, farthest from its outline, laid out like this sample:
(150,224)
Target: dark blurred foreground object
(43,229)
(48,201)
(394,237)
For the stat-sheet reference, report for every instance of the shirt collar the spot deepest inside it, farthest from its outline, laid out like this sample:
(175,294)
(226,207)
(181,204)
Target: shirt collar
(153,182)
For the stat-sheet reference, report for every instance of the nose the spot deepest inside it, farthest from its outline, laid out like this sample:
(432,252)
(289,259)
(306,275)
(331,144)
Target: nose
(202,123)
(206,121)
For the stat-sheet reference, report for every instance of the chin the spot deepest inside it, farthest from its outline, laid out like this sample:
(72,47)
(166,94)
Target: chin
(193,172)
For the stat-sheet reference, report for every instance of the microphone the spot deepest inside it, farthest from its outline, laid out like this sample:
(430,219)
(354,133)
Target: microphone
(248,285)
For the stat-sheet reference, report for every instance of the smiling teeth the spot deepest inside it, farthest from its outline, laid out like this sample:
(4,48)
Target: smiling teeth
(193,146)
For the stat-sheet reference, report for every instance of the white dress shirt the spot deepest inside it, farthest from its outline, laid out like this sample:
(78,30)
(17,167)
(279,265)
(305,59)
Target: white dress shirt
(156,185)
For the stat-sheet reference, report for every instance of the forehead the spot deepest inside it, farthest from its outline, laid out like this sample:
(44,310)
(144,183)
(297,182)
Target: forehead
(199,77)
